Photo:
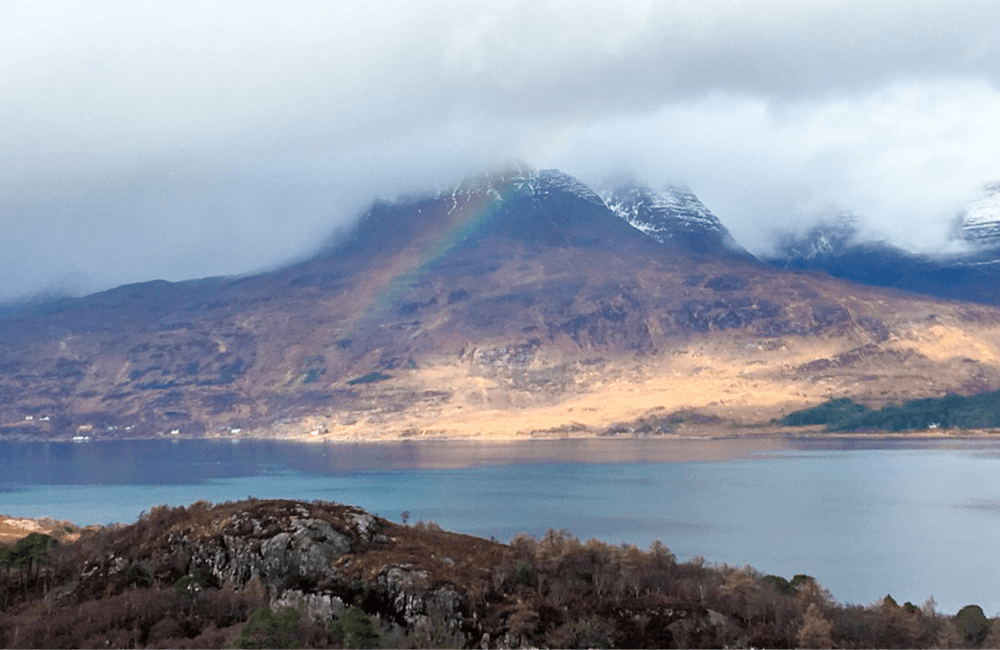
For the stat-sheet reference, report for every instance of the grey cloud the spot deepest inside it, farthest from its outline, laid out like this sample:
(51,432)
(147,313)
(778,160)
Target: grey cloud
(599,57)
(182,139)
(905,158)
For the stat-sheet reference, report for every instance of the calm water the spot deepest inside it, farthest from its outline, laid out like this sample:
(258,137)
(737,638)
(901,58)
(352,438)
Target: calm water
(914,519)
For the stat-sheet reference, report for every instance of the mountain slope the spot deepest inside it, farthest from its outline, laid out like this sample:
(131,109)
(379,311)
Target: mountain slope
(517,302)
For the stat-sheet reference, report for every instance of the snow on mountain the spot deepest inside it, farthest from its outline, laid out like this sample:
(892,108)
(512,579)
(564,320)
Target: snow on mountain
(674,215)
(660,214)
(830,237)
(551,206)
(980,223)
(839,247)
(546,207)
(523,179)
(553,181)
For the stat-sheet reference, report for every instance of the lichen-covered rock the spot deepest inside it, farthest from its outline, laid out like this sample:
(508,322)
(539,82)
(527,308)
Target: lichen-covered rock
(365,523)
(433,613)
(307,551)
(402,578)
(303,550)
(282,544)
(436,612)
(322,608)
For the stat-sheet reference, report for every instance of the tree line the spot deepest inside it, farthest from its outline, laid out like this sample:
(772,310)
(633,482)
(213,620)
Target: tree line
(951,411)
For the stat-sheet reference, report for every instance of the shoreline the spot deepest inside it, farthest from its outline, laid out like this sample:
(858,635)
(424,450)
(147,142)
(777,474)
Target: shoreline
(687,431)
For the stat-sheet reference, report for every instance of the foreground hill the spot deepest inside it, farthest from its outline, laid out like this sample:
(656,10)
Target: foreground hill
(292,574)
(512,304)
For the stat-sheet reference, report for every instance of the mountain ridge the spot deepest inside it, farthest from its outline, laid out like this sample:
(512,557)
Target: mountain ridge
(837,246)
(522,306)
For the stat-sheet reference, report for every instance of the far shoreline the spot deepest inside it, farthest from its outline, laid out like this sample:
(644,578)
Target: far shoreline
(687,432)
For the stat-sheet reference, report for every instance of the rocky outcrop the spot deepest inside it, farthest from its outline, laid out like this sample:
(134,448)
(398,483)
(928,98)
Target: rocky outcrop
(434,612)
(304,552)
(295,551)
(318,607)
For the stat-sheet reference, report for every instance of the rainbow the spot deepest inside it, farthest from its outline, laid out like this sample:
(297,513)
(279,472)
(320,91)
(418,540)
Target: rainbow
(451,222)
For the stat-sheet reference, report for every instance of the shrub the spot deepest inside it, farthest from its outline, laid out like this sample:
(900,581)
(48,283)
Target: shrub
(139,574)
(354,629)
(972,624)
(524,574)
(267,629)
(780,585)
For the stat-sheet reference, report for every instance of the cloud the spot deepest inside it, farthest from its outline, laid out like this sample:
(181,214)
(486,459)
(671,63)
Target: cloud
(905,158)
(183,139)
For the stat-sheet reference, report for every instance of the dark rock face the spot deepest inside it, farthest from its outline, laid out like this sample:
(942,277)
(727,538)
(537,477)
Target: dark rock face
(727,283)
(852,357)
(722,314)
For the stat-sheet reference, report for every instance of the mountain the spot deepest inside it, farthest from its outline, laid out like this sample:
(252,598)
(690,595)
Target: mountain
(673,215)
(838,248)
(516,303)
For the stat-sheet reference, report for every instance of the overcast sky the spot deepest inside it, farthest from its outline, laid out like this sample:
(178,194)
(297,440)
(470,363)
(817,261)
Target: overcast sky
(145,140)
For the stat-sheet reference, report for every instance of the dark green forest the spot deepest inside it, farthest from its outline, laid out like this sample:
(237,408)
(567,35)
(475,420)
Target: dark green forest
(951,411)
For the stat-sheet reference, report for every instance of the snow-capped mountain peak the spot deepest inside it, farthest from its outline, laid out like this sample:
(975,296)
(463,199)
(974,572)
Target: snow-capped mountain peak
(980,223)
(659,212)
(672,214)
(523,179)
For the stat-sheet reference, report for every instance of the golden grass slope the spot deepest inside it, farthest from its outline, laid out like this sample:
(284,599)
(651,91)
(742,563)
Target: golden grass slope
(932,349)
